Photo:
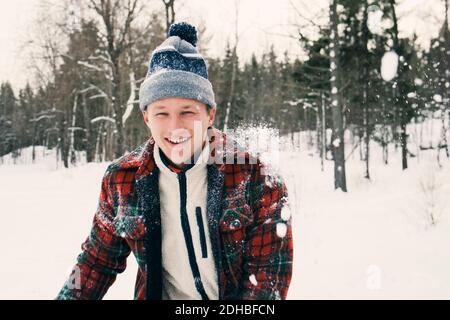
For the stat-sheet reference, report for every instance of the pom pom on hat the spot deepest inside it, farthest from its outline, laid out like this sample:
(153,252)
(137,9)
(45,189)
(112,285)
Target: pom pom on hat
(185,31)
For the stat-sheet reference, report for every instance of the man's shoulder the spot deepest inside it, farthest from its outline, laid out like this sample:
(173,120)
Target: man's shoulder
(256,168)
(130,162)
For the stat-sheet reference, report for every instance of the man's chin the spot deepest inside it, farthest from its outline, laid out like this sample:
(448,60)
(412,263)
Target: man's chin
(178,156)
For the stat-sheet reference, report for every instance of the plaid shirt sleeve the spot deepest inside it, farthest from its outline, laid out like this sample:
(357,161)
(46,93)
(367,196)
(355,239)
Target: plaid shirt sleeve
(103,255)
(269,249)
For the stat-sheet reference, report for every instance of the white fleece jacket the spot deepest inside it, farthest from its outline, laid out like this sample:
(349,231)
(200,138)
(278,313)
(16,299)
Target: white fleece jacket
(178,280)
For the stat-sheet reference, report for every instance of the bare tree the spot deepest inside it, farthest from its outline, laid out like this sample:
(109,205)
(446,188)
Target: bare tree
(47,44)
(233,69)
(117,18)
(399,89)
(203,38)
(170,13)
(366,88)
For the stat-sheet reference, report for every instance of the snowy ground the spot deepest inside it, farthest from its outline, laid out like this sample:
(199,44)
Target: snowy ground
(374,242)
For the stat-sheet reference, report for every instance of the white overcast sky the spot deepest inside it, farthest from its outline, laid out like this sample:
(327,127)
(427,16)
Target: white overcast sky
(257,18)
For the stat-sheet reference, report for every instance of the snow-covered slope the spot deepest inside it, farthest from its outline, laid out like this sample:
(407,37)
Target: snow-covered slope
(376,241)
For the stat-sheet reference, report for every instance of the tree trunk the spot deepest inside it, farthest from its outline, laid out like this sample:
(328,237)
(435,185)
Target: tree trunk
(366,89)
(232,89)
(72,131)
(63,145)
(233,71)
(323,149)
(170,13)
(338,130)
(90,147)
(398,88)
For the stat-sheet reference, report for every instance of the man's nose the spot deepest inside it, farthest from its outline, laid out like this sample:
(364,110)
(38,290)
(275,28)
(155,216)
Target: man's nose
(174,123)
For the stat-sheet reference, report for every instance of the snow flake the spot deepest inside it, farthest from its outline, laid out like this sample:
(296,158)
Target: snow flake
(390,43)
(277,295)
(286,213)
(389,65)
(253,280)
(437,98)
(333,66)
(374,19)
(418,82)
(337,142)
(281,230)
(332,35)
(371,45)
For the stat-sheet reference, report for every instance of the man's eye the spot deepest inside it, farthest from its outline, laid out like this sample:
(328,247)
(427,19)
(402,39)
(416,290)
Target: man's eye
(161,114)
(187,113)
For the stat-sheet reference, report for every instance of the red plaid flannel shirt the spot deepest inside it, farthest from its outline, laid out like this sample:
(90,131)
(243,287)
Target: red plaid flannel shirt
(255,259)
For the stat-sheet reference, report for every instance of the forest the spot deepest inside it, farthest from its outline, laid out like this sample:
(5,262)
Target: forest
(358,78)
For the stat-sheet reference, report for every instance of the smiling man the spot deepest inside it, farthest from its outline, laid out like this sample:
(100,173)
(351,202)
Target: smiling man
(200,214)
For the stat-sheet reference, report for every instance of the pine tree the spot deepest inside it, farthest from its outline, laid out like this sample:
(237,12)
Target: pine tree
(9,141)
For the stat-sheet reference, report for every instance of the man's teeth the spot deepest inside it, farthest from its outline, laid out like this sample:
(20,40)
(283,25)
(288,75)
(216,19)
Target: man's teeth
(180,140)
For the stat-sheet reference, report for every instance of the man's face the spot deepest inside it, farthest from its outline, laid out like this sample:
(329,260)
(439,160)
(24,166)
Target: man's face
(179,126)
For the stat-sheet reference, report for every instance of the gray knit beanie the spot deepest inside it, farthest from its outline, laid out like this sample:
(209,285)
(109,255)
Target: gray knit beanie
(177,69)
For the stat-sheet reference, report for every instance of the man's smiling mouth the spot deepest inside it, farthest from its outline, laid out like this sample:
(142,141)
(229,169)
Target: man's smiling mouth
(178,140)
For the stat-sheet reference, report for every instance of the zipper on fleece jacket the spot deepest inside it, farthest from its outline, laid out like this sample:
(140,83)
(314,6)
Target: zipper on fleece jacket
(201,229)
(188,237)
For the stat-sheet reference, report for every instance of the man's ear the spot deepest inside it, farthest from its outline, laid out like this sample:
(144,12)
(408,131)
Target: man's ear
(145,115)
(212,116)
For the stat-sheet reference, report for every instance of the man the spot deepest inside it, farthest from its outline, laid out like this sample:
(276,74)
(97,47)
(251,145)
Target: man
(198,212)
